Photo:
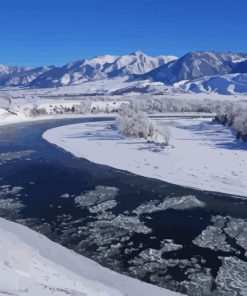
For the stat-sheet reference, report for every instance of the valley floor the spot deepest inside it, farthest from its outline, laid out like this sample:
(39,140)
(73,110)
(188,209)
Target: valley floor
(201,154)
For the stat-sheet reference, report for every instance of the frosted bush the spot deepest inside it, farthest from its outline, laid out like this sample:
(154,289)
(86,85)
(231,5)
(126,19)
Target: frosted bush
(228,113)
(166,105)
(135,124)
(234,114)
(161,134)
(240,124)
(37,111)
(83,108)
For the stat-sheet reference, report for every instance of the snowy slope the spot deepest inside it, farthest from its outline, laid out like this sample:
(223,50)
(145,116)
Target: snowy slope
(75,72)
(22,77)
(138,73)
(136,63)
(101,67)
(225,84)
(6,70)
(195,65)
(31,264)
(240,67)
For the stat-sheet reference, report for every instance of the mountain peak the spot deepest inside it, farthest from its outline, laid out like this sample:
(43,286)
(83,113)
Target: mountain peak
(138,53)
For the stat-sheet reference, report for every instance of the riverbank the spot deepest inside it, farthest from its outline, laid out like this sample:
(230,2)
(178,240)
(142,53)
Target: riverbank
(201,154)
(7,118)
(166,216)
(31,264)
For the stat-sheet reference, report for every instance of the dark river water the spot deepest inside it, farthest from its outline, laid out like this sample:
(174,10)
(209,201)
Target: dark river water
(138,226)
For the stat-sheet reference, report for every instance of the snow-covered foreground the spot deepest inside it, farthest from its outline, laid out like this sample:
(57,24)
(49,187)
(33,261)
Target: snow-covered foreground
(31,264)
(201,154)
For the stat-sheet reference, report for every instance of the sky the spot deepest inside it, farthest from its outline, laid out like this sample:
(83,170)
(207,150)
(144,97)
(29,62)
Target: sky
(46,32)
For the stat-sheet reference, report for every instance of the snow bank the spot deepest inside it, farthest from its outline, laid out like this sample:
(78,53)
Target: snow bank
(3,112)
(21,118)
(31,264)
(200,155)
(21,112)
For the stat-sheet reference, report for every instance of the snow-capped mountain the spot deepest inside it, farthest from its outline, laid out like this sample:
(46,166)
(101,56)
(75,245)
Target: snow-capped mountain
(201,71)
(20,76)
(75,72)
(136,63)
(101,67)
(194,65)
(8,70)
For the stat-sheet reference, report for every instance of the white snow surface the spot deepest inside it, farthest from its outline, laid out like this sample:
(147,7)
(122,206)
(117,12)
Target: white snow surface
(20,111)
(200,154)
(31,264)
(196,89)
(228,84)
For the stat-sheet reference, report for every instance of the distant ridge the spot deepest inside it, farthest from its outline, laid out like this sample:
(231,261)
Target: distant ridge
(199,71)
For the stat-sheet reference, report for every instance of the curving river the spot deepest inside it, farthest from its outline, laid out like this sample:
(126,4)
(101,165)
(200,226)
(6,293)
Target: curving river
(175,237)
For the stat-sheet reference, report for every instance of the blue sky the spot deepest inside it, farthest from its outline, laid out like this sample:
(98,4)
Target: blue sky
(44,32)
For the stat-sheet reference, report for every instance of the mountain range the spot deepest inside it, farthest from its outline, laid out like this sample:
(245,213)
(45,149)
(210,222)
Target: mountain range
(201,71)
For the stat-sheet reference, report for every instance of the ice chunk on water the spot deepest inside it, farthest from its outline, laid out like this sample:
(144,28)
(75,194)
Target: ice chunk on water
(237,228)
(4,157)
(100,194)
(176,203)
(213,238)
(232,277)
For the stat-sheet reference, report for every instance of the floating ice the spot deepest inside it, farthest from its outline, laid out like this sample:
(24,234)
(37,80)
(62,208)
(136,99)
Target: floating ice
(65,195)
(237,228)
(100,194)
(168,245)
(4,157)
(130,223)
(102,207)
(200,283)
(176,203)
(150,264)
(7,190)
(10,204)
(213,238)
(232,277)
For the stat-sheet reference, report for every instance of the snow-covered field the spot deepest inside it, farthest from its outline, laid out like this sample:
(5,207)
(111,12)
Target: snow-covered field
(7,119)
(117,86)
(201,154)
(20,110)
(31,264)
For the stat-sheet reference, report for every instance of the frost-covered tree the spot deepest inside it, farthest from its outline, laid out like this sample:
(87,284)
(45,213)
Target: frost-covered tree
(172,105)
(83,108)
(161,134)
(35,111)
(240,124)
(235,115)
(134,123)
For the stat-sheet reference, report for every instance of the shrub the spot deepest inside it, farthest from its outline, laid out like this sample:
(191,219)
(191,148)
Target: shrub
(240,124)
(134,123)
(37,111)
